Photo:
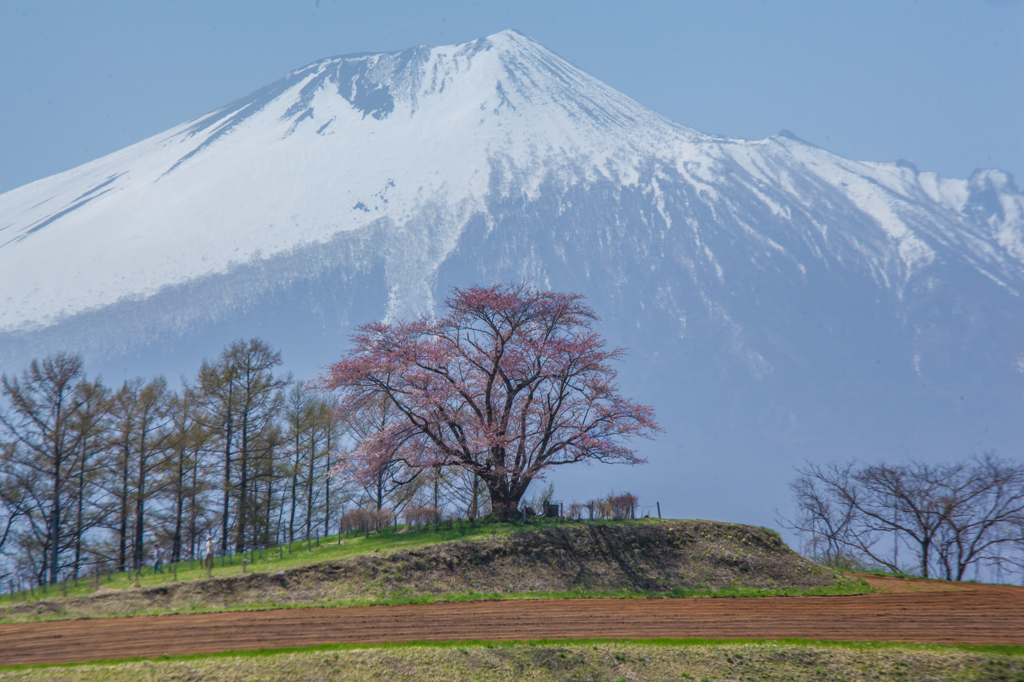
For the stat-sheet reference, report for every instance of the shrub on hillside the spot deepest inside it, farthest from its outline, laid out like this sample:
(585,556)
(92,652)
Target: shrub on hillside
(422,516)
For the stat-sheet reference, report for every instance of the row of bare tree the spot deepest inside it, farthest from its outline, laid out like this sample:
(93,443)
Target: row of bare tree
(92,477)
(948,517)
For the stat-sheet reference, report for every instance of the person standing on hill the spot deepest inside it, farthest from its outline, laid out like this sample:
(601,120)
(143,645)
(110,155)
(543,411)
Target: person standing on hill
(208,552)
(158,559)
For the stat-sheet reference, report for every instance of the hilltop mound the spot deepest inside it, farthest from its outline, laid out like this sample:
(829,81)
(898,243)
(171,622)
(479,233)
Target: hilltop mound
(669,558)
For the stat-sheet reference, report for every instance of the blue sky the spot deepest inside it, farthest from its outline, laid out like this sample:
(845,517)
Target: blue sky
(935,82)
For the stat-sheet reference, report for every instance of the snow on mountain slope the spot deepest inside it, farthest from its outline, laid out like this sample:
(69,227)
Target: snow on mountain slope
(331,147)
(392,139)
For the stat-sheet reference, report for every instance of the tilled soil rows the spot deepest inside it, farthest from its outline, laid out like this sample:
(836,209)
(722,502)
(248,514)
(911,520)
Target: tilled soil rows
(970,614)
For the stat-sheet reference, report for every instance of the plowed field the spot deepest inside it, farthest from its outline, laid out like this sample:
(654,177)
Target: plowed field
(913,611)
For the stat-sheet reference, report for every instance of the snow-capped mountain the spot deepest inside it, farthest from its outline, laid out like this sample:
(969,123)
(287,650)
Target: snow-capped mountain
(779,301)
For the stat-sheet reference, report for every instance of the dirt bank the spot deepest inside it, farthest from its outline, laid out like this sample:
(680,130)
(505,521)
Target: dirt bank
(656,557)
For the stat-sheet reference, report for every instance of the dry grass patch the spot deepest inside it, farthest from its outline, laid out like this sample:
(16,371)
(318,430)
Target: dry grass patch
(611,661)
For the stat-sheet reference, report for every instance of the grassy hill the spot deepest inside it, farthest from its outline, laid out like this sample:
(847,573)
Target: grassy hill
(544,558)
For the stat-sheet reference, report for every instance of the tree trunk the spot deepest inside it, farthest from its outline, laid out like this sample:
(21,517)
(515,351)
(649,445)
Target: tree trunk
(193,512)
(55,504)
(295,485)
(270,509)
(140,509)
(242,513)
(229,434)
(179,510)
(504,498)
(122,549)
(309,481)
(474,505)
(327,485)
(437,501)
(79,522)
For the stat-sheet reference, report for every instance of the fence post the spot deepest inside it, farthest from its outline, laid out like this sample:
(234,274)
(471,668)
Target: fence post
(659,509)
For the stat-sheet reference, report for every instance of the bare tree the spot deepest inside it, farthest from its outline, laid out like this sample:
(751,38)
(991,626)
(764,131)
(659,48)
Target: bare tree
(12,503)
(215,393)
(145,439)
(984,503)
(43,403)
(90,427)
(260,397)
(123,438)
(825,519)
(298,416)
(950,515)
(242,397)
(184,486)
(388,472)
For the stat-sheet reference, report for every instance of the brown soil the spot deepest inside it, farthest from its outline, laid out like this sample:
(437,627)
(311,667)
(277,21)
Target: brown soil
(895,585)
(968,614)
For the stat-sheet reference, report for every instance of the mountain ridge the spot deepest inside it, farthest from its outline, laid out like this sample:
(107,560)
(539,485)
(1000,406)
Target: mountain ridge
(377,75)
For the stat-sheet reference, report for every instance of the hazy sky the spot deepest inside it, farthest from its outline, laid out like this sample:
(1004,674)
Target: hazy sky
(938,83)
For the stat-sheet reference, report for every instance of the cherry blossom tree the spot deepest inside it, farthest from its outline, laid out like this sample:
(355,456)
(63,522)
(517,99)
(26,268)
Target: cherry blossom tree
(510,382)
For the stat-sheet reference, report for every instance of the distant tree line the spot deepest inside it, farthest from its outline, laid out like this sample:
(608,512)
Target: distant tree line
(932,520)
(91,476)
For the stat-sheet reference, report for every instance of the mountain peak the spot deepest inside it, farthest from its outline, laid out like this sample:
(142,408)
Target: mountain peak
(427,140)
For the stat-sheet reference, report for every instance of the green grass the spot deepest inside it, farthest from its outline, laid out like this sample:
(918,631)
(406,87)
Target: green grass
(610,659)
(284,557)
